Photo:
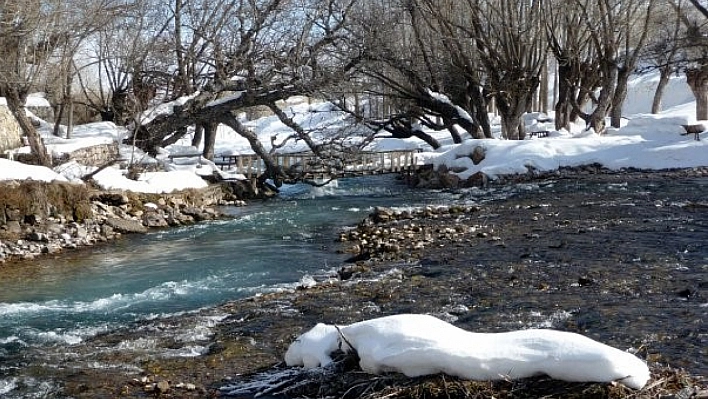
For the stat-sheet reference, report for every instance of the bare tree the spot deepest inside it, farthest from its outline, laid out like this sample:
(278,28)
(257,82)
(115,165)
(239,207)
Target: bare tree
(512,48)
(634,30)
(24,48)
(31,34)
(663,50)
(264,51)
(418,62)
(569,41)
(615,49)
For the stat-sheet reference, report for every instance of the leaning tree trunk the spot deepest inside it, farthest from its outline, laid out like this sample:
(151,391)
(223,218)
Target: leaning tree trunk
(697,79)
(15,102)
(664,77)
(273,171)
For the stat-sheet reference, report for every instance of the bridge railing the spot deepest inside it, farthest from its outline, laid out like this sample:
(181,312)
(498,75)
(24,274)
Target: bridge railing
(309,166)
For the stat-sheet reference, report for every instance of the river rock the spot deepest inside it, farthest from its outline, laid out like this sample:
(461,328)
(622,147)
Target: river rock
(126,226)
(38,236)
(154,220)
(449,180)
(162,386)
(383,214)
(13,215)
(478,179)
(32,219)
(113,199)
(179,219)
(13,227)
(478,155)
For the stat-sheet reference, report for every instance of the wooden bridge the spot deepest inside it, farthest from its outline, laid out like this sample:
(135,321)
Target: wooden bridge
(307,166)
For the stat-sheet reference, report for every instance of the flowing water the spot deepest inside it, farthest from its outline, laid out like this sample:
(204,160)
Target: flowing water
(265,246)
(55,303)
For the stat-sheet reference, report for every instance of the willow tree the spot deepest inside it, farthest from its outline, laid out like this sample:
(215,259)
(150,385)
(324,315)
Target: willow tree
(569,42)
(25,45)
(633,27)
(511,43)
(663,50)
(617,31)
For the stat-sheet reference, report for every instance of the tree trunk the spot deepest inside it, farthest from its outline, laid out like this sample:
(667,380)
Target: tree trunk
(209,140)
(510,127)
(512,108)
(58,117)
(15,102)
(604,101)
(664,75)
(479,104)
(697,79)
(456,138)
(273,171)
(405,129)
(70,121)
(564,106)
(619,96)
(198,135)
(543,89)
(509,121)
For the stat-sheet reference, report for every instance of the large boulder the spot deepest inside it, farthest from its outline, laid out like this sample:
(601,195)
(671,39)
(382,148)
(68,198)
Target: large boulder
(126,226)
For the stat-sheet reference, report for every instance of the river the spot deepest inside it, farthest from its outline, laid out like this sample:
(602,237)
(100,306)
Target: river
(52,304)
(263,247)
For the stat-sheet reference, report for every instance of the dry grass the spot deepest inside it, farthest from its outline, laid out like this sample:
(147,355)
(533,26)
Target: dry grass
(46,199)
(343,379)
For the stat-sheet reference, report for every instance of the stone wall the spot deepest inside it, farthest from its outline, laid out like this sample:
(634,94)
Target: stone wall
(44,113)
(96,155)
(10,132)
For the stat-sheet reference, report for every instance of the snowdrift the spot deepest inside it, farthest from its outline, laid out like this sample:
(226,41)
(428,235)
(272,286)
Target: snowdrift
(417,345)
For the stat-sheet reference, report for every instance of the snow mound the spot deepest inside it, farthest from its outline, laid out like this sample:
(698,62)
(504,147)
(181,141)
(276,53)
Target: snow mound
(11,170)
(417,345)
(149,182)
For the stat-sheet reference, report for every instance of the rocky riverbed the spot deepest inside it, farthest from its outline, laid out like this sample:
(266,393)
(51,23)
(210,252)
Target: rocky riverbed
(620,258)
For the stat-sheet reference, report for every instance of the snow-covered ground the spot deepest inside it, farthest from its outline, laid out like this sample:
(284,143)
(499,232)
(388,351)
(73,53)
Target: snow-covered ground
(645,141)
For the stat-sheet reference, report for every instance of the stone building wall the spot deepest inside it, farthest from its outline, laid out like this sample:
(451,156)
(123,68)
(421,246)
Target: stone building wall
(10,132)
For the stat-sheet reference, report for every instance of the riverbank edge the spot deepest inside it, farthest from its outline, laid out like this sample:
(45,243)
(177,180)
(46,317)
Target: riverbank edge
(40,219)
